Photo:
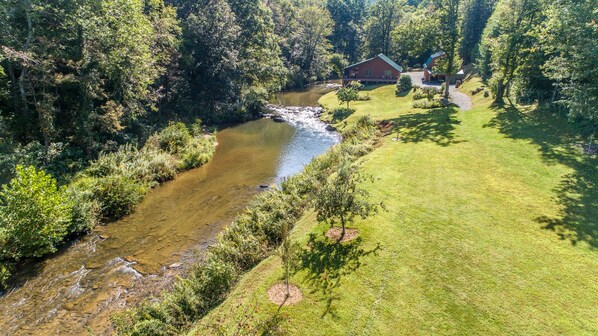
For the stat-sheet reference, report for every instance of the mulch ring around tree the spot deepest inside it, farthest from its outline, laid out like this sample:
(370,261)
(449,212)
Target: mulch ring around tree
(278,293)
(335,233)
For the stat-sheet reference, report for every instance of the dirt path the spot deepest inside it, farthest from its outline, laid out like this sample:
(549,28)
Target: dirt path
(458,98)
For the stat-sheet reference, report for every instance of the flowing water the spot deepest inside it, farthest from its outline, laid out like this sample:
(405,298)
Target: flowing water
(75,290)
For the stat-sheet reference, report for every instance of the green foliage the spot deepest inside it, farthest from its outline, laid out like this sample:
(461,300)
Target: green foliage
(196,153)
(507,40)
(121,179)
(173,138)
(475,16)
(118,195)
(34,215)
(349,93)
(86,209)
(404,84)
(569,35)
(430,103)
(5,272)
(426,93)
(254,235)
(340,199)
(348,17)
(383,17)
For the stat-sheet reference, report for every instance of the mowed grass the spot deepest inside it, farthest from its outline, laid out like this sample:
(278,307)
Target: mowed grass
(490,229)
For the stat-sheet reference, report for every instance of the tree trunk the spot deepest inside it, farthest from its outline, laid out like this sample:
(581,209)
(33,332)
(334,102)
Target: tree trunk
(500,92)
(447,86)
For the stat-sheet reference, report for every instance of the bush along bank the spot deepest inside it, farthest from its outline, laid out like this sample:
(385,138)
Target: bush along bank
(36,215)
(251,238)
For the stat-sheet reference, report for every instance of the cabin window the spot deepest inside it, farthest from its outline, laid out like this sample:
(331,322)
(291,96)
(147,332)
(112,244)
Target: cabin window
(369,72)
(387,73)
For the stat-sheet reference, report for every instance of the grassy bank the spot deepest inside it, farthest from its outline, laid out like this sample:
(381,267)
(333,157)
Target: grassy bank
(491,229)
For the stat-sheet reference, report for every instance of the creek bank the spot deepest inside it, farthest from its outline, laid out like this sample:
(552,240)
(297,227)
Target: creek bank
(253,237)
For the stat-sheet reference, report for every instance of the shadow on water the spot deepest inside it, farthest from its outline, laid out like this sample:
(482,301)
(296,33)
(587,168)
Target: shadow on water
(436,125)
(577,193)
(326,263)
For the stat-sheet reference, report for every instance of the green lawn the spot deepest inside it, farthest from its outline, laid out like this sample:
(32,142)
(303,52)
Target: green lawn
(491,229)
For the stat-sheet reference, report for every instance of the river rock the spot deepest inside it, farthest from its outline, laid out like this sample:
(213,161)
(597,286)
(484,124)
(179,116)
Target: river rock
(278,119)
(175,265)
(331,128)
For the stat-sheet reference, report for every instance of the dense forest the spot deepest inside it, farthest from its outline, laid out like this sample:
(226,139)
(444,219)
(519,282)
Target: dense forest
(88,87)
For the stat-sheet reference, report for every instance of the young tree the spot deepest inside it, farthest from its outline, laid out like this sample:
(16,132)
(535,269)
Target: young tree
(349,93)
(288,254)
(341,199)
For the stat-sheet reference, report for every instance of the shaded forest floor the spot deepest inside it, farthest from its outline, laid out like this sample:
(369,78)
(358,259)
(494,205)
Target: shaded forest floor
(491,228)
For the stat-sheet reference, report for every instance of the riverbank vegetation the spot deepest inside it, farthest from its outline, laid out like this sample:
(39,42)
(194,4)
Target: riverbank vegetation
(473,196)
(36,215)
(255,235)
(489,229)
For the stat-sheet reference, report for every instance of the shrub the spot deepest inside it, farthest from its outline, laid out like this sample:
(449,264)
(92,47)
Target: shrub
(429,104)
(197,152)
(34,214)
(426,92)
(113,163)
(404,84)
(172,138)
(86,210)
(4,272)
(118,195)
(156,167)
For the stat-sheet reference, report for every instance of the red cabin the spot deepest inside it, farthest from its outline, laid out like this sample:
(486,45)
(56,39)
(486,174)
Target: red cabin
(376,70)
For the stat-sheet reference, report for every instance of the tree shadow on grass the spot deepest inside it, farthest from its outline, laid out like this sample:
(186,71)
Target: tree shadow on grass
(559,142)
(436,125)
(326,263)
(341,113)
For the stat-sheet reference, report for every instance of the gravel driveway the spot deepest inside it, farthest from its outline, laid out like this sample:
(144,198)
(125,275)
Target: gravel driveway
(458,98)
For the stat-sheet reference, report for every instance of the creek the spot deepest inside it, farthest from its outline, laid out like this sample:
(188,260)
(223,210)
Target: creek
(119,264)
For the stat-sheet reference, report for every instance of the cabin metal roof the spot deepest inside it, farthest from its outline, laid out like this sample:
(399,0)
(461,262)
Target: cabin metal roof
(382,57)
(433,57)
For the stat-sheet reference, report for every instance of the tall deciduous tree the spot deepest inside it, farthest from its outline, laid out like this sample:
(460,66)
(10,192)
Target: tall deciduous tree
(349,17)
(259,57)
(211,58)
(507,40)
(570,36)
(449,34)
(475,16)
(384,16)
